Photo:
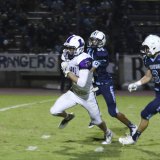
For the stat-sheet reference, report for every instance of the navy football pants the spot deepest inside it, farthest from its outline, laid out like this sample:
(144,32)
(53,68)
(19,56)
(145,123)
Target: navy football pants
(152,108)
(107,90)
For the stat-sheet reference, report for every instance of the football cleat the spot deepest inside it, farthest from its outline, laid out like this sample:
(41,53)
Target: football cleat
(126,140)
(65,121)
(91,125)
(133,130)
(108,137)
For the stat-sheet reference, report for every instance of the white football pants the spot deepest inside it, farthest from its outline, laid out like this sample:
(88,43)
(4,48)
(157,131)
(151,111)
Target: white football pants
(69,99)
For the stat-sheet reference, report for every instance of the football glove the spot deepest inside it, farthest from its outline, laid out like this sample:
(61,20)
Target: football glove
(134,86)
(96,64)
(65,68)
(94,89)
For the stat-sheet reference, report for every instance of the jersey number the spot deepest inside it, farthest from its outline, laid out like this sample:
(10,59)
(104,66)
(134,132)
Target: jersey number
(73,69)
(155,75)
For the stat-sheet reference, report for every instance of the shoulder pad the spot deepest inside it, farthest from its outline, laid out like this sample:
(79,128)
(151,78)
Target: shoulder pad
(86,63)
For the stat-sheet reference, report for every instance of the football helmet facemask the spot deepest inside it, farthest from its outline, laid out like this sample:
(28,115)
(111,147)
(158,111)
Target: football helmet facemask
(97,39)
(73,46)
(151,45)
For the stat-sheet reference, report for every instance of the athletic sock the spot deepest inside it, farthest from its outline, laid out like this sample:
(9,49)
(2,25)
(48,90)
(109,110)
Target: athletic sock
(136,135)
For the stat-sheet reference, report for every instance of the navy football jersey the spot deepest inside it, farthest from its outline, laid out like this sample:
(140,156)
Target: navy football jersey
(153,64)
(101,76)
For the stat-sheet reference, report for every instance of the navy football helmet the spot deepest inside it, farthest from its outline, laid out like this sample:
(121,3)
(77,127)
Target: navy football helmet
(97,39)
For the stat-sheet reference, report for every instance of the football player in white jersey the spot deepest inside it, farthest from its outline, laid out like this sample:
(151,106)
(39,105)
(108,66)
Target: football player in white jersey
(76,66)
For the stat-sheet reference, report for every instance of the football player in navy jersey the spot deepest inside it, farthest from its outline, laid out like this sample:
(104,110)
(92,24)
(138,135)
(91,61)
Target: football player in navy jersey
(151,57)
(76,66)
(102,79)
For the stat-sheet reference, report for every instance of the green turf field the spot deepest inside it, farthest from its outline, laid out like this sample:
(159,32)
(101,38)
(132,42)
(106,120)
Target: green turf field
(29,132)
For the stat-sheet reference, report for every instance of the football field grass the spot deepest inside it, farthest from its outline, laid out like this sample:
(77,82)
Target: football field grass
(29,132)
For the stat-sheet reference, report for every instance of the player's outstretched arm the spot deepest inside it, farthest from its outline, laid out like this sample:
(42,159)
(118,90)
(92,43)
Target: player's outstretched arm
(145,79)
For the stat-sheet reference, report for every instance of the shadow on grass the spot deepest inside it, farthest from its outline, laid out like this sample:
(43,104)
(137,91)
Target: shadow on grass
(85,149)
(154,155)
(109,151)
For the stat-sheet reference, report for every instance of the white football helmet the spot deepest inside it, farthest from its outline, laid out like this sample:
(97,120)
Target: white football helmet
(73,46)
(151,45)
(97,39)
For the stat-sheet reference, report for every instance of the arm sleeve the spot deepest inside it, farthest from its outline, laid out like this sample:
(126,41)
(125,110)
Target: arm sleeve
(83,77)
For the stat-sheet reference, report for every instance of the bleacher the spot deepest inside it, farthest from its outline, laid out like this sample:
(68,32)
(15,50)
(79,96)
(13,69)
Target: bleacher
(136,19)
(66,20)
(145,15)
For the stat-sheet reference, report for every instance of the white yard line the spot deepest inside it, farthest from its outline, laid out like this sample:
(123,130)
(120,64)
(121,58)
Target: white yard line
(25,105)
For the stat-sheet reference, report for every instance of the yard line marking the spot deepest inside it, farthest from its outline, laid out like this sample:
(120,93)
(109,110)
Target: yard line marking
(45,136)
(99,149)
(31,148)
(24,105)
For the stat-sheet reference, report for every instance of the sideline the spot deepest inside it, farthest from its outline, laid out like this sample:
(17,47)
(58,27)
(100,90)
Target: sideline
(25,105)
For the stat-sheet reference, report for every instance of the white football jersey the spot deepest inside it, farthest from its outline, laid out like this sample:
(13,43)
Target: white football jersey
(82,63)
